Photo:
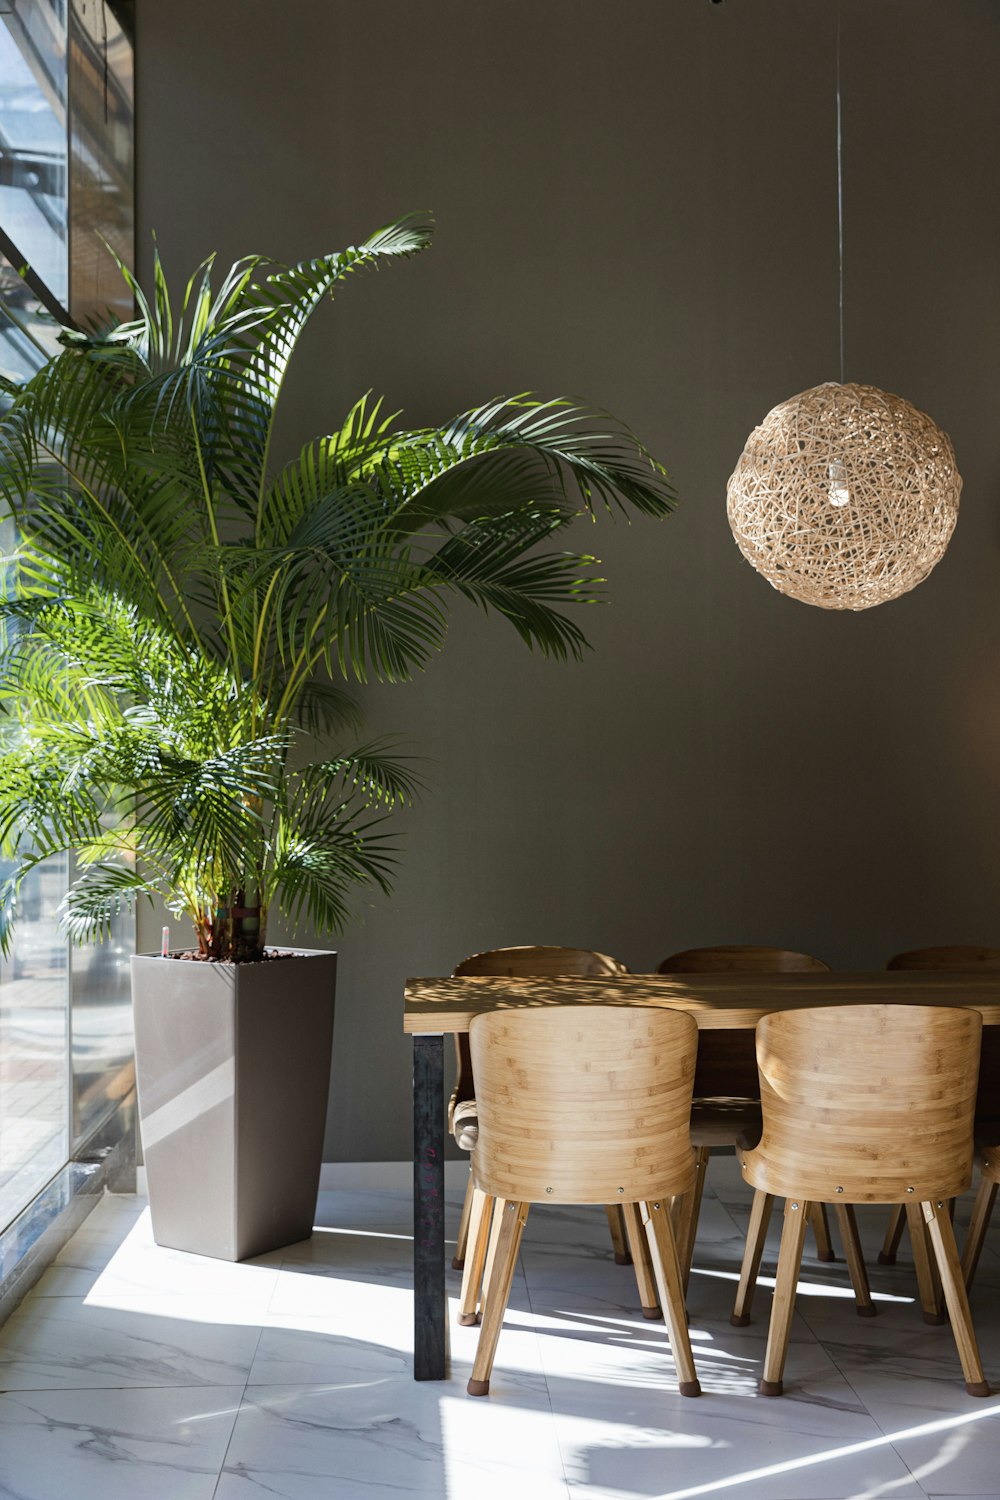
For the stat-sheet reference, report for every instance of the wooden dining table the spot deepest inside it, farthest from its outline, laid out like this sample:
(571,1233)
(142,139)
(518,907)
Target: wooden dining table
(726,1006)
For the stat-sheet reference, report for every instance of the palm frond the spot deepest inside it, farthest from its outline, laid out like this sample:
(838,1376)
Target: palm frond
(319,868)
(102,893)
(367,770)
(179,615)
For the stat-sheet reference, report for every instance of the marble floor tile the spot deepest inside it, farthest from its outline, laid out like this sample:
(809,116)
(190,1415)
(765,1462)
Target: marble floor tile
(384,1282)
(132,1266)
(317,1351)
(58,1343)
(949,1440)
(671,1459)
(389,1437)
(83,1445)
(133,1370)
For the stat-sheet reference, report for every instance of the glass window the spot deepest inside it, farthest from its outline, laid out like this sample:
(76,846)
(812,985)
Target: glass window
(33,141)
(66,187)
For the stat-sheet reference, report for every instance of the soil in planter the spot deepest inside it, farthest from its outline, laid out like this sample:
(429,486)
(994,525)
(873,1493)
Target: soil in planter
(192,955)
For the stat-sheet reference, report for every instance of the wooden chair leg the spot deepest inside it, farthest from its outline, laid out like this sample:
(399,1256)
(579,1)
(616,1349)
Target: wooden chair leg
(669,1279)
(981,1210)
(760,1217)
(462,1238)
(864,1306)
(685,1221)
(491,1255)
(893,1235)
(942,1238)
(480,1217)
(616,1226)
(928,1285)
(645,1276)
(793,1236)
(513,1217)
(821,1229)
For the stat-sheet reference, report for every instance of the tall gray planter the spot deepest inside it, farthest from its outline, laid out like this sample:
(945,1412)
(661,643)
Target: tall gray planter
(233,1067)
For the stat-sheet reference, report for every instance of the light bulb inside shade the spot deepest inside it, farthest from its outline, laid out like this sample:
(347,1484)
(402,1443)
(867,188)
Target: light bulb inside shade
(840,494)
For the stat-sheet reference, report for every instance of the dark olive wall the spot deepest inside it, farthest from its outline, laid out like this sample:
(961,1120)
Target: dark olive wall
(637,205)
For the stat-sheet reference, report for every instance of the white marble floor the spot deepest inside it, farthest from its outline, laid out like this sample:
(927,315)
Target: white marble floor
(133,1372)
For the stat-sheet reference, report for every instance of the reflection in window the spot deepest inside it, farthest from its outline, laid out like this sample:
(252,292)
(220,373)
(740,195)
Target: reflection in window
(33,140)
(34,1041)
(101,169)
(66,187)
(28,331)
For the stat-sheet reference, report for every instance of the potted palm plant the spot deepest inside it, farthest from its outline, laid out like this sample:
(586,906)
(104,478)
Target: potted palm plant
(182,616)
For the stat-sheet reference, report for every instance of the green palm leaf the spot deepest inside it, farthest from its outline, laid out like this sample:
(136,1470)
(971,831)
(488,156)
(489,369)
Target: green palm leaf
(180,614)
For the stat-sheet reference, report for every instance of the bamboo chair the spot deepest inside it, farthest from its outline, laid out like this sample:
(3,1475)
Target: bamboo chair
(866,1104)
(521,963)
(961,957)
(726,1120)
(584,1104)
(989,1179)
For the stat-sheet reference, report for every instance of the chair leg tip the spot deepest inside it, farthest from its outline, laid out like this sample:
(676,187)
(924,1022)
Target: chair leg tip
(478,1388)
(977,1388)
(458,1263)
(772,1387)
(652,1313)
(887,1259)
(740,1320)
(690,1388)
(622,1260)
(827,1255)
(866,1310)
(468,1320)
(936,1320)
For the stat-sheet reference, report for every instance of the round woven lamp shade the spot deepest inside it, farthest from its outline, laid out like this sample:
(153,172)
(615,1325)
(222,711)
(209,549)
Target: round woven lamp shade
(844,496)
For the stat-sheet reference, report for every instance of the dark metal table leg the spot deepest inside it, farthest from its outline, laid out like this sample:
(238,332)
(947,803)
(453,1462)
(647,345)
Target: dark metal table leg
(429,1304)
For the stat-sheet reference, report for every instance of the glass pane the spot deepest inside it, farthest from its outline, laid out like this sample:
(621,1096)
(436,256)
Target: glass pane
(34,1105)
(102,1036)
(66,184)
(101,169)
(33,140)
(34,1031)
(28,332)
(101,196)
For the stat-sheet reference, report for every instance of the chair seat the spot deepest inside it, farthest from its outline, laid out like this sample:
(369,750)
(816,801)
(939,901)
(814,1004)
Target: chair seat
(726,1121)
(721,1121)
(465,1124)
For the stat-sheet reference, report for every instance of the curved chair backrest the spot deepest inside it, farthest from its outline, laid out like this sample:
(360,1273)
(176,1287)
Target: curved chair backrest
(867,1103)
(527,963)
(742,958)
(960,956)
(584,1103)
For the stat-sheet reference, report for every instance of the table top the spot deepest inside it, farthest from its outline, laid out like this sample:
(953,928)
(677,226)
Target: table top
(719,1002)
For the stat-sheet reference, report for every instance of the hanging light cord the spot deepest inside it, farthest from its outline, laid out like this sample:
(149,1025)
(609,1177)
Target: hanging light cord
(840,207)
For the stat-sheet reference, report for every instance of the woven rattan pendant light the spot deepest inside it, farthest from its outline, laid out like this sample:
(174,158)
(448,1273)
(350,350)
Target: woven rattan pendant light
(845,496)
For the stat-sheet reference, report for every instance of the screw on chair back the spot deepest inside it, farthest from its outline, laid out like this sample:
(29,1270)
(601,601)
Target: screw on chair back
(584,1104)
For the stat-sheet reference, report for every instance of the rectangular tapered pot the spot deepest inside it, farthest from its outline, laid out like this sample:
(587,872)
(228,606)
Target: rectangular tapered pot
(233,1069)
